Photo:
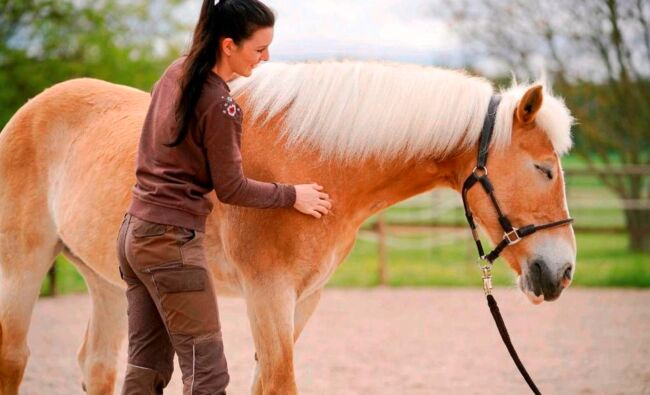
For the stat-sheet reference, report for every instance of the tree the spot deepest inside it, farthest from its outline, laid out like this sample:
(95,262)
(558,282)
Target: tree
(43,42)
(598,54)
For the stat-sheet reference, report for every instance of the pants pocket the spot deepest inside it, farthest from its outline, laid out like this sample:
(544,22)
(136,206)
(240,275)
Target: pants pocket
(186,235)
(142,228)
(181,279)
(187,299)
(150,244)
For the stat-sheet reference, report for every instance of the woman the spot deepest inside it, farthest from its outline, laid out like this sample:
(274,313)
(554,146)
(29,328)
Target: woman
(190,145)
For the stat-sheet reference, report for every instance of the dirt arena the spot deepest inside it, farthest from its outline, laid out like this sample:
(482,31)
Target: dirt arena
(407,342)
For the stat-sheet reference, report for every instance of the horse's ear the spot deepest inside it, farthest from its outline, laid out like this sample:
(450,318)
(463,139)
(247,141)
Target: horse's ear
(530,104)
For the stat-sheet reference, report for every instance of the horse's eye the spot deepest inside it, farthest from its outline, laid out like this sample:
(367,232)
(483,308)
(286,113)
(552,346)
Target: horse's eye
(547,171)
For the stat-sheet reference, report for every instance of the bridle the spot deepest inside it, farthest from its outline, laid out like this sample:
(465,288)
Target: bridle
(511,234)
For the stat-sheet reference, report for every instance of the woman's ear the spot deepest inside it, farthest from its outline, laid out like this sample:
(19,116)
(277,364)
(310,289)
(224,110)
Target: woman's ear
(227,46)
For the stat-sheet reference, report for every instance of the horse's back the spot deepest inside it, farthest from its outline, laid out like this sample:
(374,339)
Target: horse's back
(66,105)
(89,92)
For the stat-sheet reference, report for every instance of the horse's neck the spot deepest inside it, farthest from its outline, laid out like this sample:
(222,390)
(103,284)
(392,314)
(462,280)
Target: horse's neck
(358,189)
(370,187)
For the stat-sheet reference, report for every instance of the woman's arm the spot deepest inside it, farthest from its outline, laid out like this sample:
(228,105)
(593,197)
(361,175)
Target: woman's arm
(222,141)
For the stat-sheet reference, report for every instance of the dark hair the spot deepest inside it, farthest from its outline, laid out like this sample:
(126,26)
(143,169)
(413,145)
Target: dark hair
(236,19)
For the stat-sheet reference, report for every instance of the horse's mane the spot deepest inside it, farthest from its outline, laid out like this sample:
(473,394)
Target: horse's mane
(350,110)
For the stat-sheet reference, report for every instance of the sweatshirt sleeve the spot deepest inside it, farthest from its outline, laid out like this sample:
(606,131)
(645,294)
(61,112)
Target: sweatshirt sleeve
(221,124)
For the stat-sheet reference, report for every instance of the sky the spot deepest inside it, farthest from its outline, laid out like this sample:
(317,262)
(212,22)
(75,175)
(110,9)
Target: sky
(402,31)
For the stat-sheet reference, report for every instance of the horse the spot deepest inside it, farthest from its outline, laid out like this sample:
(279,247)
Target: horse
(372,133)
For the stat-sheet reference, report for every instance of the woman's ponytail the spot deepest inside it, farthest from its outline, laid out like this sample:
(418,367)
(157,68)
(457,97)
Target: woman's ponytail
(236,19)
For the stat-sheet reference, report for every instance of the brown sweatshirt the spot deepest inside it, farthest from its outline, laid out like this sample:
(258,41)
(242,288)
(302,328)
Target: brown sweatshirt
(172,183)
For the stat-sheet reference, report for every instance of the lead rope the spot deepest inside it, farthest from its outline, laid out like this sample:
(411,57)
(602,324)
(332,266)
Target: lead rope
(501,326)
(511,235)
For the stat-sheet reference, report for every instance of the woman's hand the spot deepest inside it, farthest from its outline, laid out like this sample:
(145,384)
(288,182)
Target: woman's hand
(310,200)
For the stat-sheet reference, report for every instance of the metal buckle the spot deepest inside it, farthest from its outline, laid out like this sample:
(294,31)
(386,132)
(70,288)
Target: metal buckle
(509,236)
(482,168)
(487,275)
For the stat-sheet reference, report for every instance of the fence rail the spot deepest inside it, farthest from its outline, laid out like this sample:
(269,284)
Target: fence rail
(609,171)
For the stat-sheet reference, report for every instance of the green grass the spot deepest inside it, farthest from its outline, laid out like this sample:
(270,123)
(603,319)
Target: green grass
(603,261)
(67,277)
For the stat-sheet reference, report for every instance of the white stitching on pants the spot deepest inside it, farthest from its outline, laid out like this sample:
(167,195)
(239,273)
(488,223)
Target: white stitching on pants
(141,367)
(193,363)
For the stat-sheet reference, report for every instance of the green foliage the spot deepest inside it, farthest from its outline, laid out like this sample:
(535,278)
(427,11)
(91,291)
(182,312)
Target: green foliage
(612,131)
(43,42)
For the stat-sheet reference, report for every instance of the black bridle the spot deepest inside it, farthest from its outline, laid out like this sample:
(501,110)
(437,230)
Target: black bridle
(511,235)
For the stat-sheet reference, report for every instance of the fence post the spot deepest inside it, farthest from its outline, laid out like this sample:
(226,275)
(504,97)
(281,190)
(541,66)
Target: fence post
(383,251)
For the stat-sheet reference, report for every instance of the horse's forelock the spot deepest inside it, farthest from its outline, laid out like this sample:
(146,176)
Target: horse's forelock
(553,117)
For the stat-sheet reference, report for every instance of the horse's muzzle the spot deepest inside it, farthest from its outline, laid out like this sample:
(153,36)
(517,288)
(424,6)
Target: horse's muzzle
(545,280)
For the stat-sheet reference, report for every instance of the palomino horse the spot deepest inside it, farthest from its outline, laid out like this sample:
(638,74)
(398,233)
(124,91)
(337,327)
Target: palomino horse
(372,134)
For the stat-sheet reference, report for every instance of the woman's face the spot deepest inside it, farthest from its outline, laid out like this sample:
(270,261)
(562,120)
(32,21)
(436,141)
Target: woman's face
(244,57)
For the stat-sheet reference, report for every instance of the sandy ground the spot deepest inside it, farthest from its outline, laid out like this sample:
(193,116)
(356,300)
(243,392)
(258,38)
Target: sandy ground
(407,342)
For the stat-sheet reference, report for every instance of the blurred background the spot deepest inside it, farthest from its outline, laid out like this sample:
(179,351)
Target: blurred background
(595,53)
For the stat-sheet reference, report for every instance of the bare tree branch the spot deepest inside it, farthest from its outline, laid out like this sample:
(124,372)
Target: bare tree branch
(593,47)
(643,20)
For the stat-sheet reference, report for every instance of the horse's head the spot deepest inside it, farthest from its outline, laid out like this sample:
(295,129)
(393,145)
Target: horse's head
(529,187)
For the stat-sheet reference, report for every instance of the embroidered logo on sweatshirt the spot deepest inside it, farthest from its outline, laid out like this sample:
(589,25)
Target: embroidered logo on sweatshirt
(230,107)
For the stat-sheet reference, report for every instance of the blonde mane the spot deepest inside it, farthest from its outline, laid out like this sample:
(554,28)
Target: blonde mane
(350,110)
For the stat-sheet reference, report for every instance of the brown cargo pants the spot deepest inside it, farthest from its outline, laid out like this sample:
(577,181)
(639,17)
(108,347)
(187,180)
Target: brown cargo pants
(171,308)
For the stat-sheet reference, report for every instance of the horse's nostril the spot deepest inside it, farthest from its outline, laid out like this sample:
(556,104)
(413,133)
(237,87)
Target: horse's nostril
(546,281)
(536,278)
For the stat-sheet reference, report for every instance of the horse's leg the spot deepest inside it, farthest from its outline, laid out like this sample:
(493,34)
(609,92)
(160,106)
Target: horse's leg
(304,310)
(105,332)
(25,258)
(271,305)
